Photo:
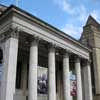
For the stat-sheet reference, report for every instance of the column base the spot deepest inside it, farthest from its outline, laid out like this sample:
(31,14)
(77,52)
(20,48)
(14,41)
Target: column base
(96,97)
(20,96)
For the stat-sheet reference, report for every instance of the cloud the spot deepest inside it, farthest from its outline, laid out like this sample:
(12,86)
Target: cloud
(77,13)
(75,30)
(72,30)
(65,6)
(78,16)
(95,14)
(82,14)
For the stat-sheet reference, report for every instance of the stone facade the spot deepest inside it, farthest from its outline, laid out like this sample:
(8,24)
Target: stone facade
(91,38)
(29,44)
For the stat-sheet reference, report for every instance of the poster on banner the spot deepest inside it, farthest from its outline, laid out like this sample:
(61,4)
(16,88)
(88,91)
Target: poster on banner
(42,80)
(73,84)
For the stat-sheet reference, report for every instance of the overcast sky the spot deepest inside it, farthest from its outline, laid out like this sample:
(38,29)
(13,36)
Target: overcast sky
(67,15)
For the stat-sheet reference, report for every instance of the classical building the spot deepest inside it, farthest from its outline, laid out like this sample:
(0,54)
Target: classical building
(39,62)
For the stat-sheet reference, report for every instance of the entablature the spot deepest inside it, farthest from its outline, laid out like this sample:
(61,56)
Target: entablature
(26,24)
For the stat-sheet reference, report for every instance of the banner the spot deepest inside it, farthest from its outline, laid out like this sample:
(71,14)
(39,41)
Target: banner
(42,80)
(73,84)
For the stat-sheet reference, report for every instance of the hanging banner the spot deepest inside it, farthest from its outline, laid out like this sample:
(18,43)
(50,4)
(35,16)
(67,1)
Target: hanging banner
(73,84)
(42,80)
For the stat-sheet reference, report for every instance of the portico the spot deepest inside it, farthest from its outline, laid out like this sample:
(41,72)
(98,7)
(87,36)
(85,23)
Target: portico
(29,43)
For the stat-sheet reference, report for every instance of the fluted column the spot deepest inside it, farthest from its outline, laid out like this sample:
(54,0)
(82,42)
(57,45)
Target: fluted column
(87,81)
(51,74)
(79,80)
(66,77)
(33,63)
(9,67)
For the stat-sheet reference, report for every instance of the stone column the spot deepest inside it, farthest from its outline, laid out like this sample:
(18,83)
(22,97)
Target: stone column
(87,82)
(33,63)
(66,77)
(9,66)
(79,80)
(51,74)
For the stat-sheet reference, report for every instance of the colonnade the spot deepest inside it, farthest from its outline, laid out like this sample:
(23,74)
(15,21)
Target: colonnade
(10,62)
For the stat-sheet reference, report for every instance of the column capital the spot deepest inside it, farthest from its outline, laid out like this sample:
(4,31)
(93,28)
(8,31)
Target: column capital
(89,62)
(66,54)
(51,47)
(77,59)
(12,32)
(34,41)
(86,62)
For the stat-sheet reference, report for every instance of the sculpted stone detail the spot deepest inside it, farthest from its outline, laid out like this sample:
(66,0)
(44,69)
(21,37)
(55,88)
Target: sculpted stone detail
(12,32)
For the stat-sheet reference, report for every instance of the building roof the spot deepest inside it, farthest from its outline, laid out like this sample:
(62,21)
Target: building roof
(2,8)
(43,24)
(92,21)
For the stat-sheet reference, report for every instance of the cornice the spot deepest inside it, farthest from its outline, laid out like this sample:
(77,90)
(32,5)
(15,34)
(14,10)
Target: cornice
(42,24)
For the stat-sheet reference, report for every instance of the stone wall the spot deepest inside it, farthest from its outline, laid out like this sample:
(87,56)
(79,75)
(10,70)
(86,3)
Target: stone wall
(91,38)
